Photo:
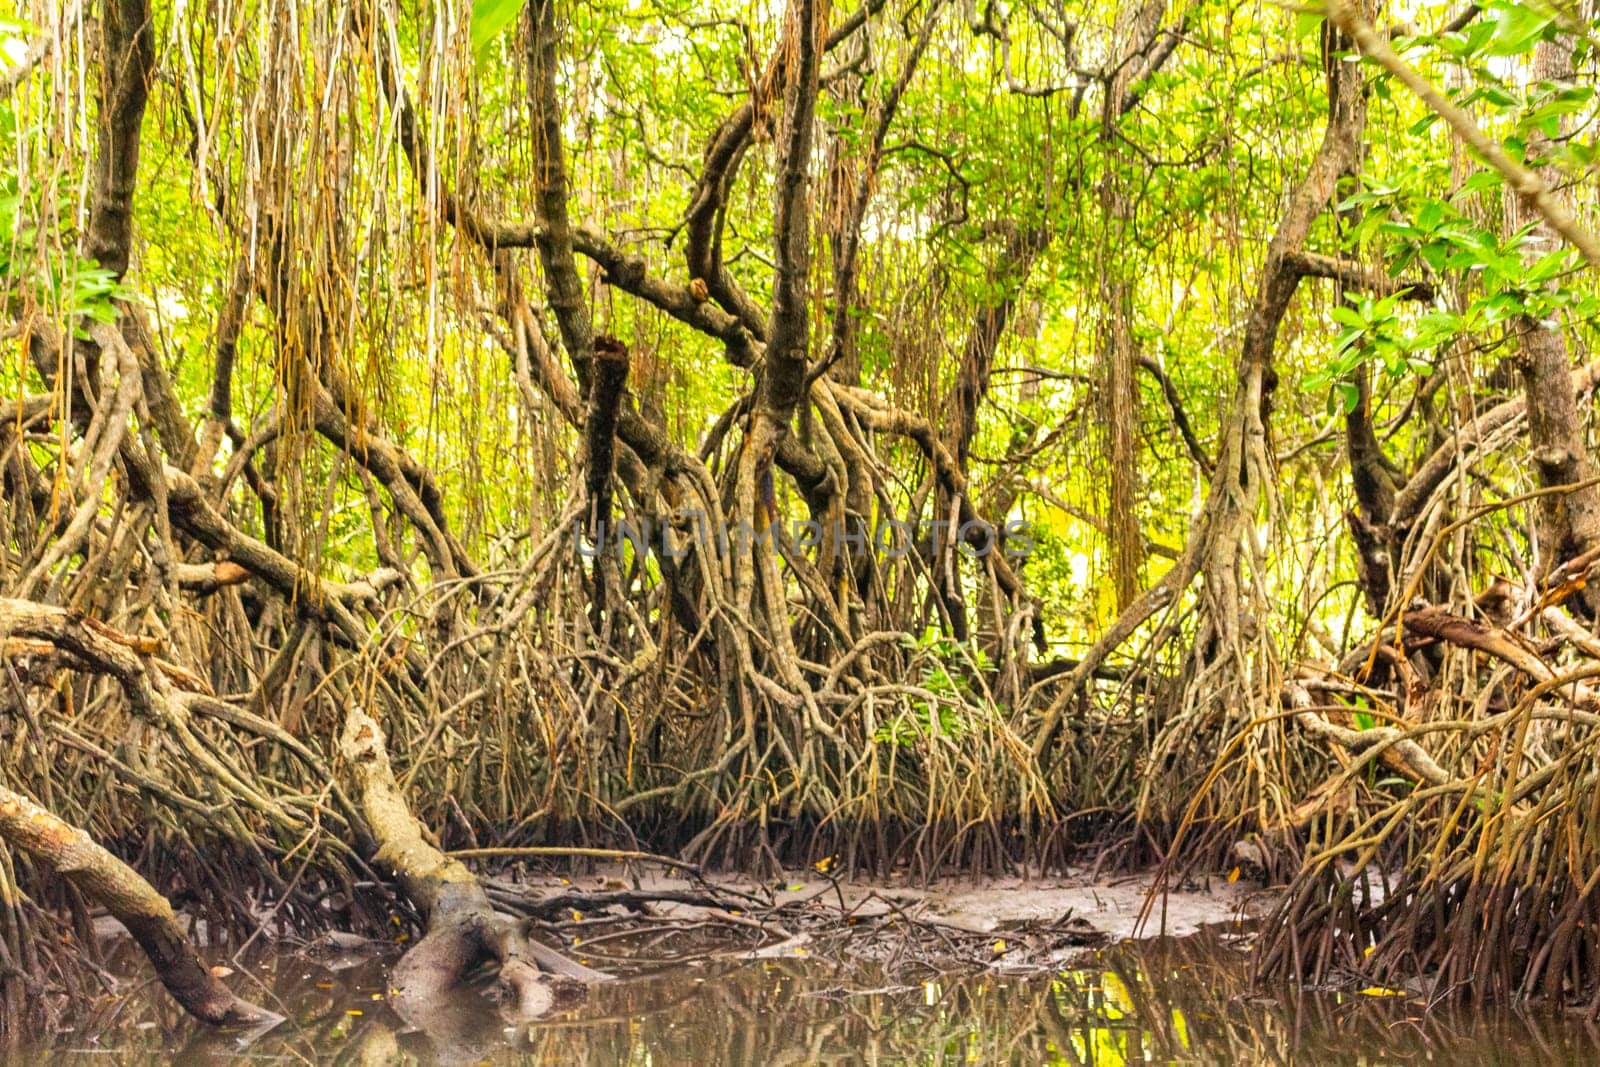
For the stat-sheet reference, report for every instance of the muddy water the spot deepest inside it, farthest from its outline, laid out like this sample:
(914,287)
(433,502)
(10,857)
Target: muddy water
(1175,1001)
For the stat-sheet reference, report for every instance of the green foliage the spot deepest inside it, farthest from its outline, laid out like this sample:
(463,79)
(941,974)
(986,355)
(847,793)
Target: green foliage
(1375,330)
(490,18)
(1508,29)
(57,278)
(948,714)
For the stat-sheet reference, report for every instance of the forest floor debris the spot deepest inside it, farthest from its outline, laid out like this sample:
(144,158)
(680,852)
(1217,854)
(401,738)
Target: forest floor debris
(616,917)
(624,920)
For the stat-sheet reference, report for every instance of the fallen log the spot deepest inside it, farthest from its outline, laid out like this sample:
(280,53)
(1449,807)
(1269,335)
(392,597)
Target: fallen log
(463,929)
(135,903)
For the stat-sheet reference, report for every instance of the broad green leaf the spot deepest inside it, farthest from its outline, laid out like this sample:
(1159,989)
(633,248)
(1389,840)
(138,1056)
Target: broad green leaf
(489,18)
(1516,29)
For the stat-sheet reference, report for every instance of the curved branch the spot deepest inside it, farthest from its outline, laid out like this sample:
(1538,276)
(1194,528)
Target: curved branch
(1529,186)
(135,903)
(1197,452)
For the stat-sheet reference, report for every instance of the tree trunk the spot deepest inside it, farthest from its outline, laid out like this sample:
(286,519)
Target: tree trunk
(1567,525)
(463,929)
(134,902)
(600,444)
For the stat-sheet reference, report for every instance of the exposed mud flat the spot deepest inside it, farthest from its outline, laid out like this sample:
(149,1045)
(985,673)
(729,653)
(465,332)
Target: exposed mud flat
(1112,907)
(1118,909)
(689,991)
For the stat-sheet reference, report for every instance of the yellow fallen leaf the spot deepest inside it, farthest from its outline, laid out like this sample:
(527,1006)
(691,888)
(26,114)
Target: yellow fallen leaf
(353,1011)
(999,947)
(219,971)
(1233,875)
(1381,991)
(823,865)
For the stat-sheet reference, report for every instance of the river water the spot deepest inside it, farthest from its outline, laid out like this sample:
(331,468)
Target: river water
(1183,1000)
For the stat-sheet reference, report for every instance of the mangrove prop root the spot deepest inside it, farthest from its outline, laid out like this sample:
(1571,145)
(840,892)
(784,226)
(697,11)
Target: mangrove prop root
(463,929)
(134,902)
(600,441)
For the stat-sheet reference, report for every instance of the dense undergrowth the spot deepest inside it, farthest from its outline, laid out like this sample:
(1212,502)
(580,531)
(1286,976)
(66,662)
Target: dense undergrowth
(1132,435)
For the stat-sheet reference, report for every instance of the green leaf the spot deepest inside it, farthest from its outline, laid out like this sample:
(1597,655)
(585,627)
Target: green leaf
(1548,266)
(1495,95)
(1307,23)
(1349,396)
(1516,29)
(1481,182)
(1347,315)
(489,18)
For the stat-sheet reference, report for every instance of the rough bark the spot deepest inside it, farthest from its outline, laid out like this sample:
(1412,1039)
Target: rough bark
(132,901)
(463,929)
(600,428)
(1376,482)
(555,237)
(127,42)
(600,437)
(1566,525)
(784,372)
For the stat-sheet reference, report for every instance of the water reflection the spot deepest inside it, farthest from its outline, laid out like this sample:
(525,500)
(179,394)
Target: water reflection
(1161,1002)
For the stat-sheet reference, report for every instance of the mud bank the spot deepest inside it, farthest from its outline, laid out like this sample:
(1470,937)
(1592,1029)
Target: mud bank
(876,974)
